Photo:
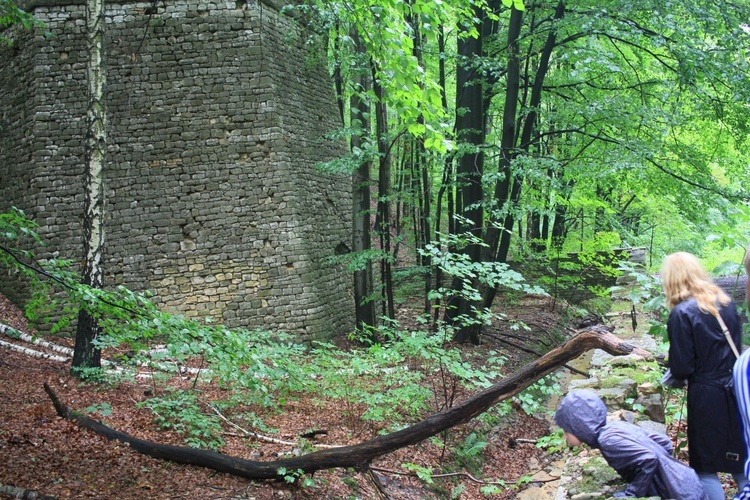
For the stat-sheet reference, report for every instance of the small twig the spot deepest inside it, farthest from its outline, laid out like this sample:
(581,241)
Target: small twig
(460,474)
(443,476)
(261,437)
(524,440)
(379,486)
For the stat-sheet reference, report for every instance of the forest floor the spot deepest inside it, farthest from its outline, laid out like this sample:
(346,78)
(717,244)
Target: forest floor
(52,456)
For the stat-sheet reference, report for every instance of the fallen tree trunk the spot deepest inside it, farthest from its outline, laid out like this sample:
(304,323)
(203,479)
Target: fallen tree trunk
(32,352)
(16,492)
(17,334)
(363,453)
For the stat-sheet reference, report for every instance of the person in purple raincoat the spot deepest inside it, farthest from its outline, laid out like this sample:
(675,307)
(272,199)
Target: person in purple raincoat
(642,458)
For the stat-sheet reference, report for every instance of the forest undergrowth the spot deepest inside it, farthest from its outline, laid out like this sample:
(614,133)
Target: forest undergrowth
(488,457)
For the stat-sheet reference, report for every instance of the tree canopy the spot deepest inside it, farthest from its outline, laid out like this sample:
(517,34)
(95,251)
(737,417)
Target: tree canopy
(540,125)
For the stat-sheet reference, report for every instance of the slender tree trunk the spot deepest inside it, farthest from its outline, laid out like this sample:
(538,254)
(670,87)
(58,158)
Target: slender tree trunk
(85,354)
(508,191)
(547,206)
(359,109)
(383,218)
(559,226)
(504,185)
(447,179)
(422,180)
(338,79)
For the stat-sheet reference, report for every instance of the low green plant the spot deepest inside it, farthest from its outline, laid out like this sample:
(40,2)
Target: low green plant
(384,382)
(103,409)
(423,473)
(457,491)
(552,442)
(534,398)
(92,375)
(469,454)
(491,489)
(633,405)
(296,477)
(180,411)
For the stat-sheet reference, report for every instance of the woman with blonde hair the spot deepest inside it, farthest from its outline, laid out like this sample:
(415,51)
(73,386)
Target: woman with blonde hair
(700,353)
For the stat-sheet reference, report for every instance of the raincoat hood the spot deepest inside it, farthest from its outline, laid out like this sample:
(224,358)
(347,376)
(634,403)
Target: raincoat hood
(583,414)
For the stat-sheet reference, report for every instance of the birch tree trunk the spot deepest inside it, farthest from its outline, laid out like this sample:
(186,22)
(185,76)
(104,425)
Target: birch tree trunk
(86,355)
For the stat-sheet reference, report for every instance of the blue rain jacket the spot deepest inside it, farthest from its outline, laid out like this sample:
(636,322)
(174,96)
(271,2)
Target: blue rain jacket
(642,458)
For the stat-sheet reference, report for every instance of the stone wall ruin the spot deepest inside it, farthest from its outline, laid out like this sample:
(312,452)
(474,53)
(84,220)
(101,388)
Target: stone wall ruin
(218,112)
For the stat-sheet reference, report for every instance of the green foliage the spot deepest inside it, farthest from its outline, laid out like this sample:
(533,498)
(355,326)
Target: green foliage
(104,409)
(469,454)
(91,375)
(490,489)
(11,15)
(296,477)
(423,473)
(552,442)
(383,382)
(180,411)
(533,399)
(472,274)
(409,281)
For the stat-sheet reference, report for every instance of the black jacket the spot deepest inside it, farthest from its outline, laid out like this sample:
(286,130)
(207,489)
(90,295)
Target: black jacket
(699,352)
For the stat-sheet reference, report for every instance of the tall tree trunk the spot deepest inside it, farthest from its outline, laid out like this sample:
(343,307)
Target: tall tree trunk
(507,139)
(508,190)
(383,218)
(359,110)
(470,132)
(447,179)
(85,354)
(422,180)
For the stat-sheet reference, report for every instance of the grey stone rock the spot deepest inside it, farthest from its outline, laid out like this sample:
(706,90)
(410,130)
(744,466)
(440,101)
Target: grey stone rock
(583,383)
(652,426)
(614,397)
(630,387)
(653,407)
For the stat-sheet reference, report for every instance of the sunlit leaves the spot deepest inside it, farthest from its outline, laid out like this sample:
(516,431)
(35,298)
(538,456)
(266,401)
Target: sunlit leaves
(11,15)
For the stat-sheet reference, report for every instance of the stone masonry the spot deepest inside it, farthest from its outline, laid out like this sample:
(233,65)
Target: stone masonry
(218,112)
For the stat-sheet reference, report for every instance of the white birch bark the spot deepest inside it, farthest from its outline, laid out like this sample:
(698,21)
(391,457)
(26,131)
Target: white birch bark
(33,353)
(16,334)
(86,355)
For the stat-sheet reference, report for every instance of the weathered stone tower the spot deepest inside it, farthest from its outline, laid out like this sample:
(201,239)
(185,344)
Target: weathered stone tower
(218,114)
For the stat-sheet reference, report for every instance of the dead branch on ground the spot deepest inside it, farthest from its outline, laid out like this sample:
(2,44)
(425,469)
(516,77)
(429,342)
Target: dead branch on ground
(360,455)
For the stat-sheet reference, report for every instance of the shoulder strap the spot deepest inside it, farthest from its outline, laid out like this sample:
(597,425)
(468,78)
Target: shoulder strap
(728,335)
